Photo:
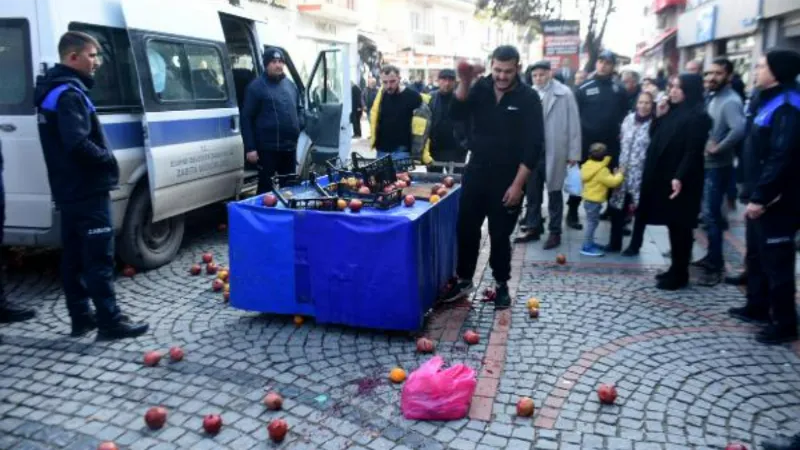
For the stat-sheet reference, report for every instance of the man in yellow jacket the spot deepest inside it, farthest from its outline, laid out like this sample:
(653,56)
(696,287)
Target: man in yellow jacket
(597,180)
(399,120)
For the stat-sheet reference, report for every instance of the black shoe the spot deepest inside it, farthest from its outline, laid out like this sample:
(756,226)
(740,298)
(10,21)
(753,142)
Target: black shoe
(661,275)
(702,262)
(459,290)
(12,314)
(673,282)
(737,280)
(528,236)
(574,223)
(630,251)
(122,330)
(503,298)
(711,277)
(626,232)
(612,248)
(775,335)
(553,241)
(782,443)
(748,315)
(89,323)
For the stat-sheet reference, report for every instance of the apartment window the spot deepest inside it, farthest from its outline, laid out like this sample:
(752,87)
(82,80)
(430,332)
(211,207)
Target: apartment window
(462,26)
(446,26)
(416,21)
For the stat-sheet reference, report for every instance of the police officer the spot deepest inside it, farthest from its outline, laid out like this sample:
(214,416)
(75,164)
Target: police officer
(603,105)
(448,136)
(773,211)
(82,171)
(8,313)
(506,141)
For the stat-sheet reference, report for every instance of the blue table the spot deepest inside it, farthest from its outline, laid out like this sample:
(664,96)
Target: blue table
(372,269)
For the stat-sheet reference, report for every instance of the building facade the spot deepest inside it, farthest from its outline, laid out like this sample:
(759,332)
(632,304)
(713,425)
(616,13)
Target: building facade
(781,23)
(658,51)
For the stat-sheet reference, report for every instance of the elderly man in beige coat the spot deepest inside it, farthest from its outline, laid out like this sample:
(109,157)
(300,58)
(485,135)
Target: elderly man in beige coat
(562,130)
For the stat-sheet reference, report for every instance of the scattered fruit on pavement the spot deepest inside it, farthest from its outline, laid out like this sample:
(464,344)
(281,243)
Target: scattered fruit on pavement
(561,259)
(211,268)
(277,430)
(532,303)
(207,257)
(176,354)
(217,285)
(425,345)
(607,394)
(196,269)
(273,401)
(129,271)
(155,417)
(534,313)
(298,320)
(107,445)
(525,407)
(397,375)
(152,358)
(212,423)
(471,337)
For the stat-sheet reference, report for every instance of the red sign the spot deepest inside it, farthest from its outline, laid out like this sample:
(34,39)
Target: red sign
(562,42)
(659,5)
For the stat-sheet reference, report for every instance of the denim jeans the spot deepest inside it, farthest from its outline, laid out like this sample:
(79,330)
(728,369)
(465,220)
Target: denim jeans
(714,190)
(592,220)
(399,153)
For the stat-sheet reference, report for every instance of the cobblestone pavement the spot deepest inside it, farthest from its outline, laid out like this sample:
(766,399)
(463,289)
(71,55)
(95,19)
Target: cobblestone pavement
(688,377)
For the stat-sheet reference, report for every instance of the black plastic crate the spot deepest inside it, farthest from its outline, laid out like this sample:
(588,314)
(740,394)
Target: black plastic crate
(313,197)
(376,173)
(380,200)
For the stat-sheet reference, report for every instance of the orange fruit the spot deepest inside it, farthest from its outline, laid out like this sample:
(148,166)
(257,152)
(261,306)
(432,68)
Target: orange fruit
(533,302)
(434,199)
(341,204)
(298,320)
(397,375)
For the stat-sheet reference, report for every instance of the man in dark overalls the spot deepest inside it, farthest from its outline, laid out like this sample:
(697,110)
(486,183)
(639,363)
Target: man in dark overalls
(773,211)
(82,171)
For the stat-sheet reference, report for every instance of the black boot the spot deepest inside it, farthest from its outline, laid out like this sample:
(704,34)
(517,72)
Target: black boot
(749,315)
(775,334)
(673,281)
(572,219)
(503,299)
(87,323)
(739,279)
(122,330)
(10,313)
(782,443)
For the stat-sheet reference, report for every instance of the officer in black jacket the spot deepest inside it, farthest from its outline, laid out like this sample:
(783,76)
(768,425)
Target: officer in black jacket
(82,171)
(771,161)
(506,140)
(8,313)
(603,105)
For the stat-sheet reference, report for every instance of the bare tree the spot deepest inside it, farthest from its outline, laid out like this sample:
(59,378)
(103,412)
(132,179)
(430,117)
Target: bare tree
(531,13)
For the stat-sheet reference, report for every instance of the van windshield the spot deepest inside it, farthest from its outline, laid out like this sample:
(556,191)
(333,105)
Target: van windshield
(15,67)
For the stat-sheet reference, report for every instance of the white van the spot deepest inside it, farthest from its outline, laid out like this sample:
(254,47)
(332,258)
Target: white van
(168,94)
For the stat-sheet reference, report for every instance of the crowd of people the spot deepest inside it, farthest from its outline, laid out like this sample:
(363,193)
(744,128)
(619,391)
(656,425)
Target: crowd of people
(648,151)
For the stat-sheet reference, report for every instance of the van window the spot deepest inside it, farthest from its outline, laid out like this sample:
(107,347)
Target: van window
(184,72)
(115,79)
(16,89)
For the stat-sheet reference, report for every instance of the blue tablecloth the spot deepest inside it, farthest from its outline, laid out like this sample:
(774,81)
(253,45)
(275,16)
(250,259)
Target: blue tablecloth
(372,269)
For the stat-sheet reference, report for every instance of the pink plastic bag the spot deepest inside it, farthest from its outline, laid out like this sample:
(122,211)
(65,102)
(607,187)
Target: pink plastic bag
(431,394)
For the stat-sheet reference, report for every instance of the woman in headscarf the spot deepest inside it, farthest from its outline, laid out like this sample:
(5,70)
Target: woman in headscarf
(672,182)
(634,143)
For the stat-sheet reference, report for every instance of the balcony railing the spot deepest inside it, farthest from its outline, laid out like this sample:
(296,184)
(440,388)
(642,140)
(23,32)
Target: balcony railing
(424,38)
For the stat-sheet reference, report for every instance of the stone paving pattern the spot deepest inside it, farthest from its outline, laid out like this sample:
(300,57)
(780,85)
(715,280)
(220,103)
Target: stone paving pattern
(688,377)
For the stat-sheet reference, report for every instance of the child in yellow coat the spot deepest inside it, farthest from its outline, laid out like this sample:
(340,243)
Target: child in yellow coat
(597,180)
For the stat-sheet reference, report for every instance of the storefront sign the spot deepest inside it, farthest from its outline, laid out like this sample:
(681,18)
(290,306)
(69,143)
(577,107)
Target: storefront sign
(325,27)
(706,24)
(561,43)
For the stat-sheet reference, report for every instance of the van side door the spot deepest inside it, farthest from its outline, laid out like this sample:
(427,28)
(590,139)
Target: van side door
(195,155)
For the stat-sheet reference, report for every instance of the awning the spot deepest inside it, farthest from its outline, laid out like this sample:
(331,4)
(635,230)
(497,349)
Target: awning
(660,5)
(663,37)
(381,42)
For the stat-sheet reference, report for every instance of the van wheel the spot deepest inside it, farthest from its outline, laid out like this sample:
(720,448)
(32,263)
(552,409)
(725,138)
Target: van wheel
(144,244)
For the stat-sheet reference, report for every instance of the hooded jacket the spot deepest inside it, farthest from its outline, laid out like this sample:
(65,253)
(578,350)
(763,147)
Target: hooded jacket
(80,164)
(420,127)
(598,179)
(272,116)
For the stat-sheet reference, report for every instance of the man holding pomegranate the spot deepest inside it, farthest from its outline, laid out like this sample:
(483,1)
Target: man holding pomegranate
(82,171)
(506,141)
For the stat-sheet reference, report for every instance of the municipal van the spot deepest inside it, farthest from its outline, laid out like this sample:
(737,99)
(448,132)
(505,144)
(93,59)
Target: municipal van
(168,94)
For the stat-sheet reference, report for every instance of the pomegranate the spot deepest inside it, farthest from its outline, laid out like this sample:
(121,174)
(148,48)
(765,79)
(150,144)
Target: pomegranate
(212,423)
(223,275)
(471,337)
(156,417)
(489,295)
(388,189)
(409,200)
(270,200)
(525,407)
(207,257)
(735,446)
(403,176)
(442,192)
(129,271)
(226,297)
(273,401)
(152,358)
(196,269)
(449,181)
(364,190)
(359,183)
(561,259)
(217,285)
(401,184)
(534,313)
(607,394)
(175,354)
(435,188)
(277,429)
(425,345)
(211,268)
(356,205)
(464,69)
(107,445)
